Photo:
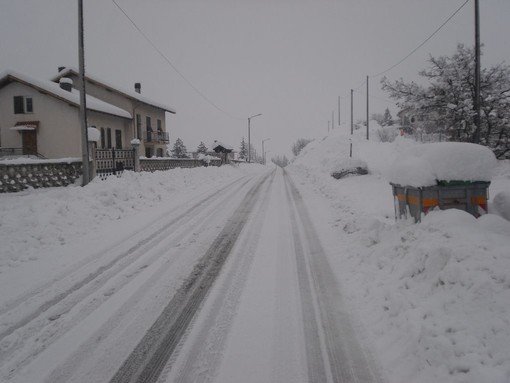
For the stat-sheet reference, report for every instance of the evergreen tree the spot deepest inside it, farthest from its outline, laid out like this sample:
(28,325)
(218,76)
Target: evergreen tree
(202,149)
(179,150)
(243,150)
(387,118)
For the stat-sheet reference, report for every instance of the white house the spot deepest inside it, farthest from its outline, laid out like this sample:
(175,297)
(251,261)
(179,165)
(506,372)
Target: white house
(148,123)
(42,117)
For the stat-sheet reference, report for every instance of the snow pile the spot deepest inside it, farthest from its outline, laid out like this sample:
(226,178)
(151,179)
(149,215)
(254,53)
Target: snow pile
(206,158)
(443,161)
(35,222)
(432,299)
(347,165)
(439,297)
(501,204)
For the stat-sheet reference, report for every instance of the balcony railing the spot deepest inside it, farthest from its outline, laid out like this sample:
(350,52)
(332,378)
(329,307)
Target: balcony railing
(19,152)
(156,137)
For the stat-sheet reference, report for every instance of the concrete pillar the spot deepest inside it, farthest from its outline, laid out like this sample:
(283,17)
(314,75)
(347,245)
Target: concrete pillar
(136,153)
(92,160)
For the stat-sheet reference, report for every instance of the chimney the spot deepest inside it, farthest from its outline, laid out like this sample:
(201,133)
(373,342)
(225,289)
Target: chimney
(138,87)
(61,68)
(66,84)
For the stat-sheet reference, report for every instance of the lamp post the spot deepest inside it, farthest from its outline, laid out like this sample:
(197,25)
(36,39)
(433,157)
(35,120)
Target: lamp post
(264,153)
(249,139)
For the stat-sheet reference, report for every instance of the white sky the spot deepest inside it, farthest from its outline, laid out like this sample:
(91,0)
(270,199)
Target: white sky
(289,60)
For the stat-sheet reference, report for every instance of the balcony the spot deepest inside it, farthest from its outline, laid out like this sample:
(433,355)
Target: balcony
(156,137)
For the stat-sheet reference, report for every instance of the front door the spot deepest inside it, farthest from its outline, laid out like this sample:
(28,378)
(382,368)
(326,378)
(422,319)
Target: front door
(29,140)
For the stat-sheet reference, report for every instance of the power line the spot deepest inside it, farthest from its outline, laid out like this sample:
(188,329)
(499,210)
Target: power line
(172,65)
(423,43)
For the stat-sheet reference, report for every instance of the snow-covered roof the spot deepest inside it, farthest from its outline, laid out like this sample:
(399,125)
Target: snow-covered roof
(424,165)
(55,90)
(219,143)
(130,94)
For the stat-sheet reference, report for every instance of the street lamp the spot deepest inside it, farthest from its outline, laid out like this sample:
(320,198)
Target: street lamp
(249,139)
(263,152)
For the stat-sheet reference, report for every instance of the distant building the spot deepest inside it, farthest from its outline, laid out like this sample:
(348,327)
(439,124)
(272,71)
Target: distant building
(223,150)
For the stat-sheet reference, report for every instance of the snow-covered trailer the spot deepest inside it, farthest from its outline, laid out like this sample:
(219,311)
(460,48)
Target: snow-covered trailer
(444,175)
(465,195)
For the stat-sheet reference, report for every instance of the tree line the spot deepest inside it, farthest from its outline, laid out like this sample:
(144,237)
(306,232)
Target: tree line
(446,105)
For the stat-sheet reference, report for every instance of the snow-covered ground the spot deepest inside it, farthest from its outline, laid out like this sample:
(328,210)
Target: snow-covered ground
(433,297)
(432,300)
(36,224)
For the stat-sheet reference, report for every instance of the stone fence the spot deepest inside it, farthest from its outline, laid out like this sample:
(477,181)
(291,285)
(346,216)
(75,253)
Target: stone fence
(18,176)
(153,164)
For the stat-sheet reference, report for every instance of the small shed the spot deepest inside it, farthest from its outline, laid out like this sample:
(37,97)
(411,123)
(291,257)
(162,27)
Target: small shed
(444,175)
(223,150)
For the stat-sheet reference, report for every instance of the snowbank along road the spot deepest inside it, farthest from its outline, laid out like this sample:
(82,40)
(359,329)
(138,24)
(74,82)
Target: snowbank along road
(232,287)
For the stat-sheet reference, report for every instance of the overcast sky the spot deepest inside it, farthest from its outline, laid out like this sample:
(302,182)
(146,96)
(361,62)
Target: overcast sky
(286,59)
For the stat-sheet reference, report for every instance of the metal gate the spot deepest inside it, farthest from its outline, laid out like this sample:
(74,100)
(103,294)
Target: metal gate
(114,161)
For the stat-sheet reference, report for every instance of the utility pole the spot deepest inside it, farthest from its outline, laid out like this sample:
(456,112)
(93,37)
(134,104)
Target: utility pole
(352,110)
(249,136)
(477,106)
(339,111)
(368,111)
(83,105)
(263,151)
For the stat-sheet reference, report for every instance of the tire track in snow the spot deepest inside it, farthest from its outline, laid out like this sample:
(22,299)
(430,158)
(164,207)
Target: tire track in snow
(344,358)
(203,356)
(148,359)
(316,365)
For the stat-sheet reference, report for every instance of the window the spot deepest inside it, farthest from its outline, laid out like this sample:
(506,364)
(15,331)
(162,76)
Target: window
(118,139)
(28,105)
(109,138)
(138,126)
(23,104)
(160,129)
(148,152)
(159,152)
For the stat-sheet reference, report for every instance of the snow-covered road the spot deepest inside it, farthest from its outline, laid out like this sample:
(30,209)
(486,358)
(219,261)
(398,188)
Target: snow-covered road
(230,285)
(275,313)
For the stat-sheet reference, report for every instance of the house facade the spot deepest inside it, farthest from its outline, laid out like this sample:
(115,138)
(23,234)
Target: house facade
(148,123)
(41,117)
